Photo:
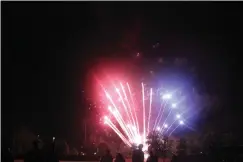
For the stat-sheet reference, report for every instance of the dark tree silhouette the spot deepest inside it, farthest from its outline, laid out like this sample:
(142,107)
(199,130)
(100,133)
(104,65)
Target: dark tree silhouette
(182,147)
(159,142)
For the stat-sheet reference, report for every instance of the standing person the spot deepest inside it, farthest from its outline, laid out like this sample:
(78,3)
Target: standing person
(152,156)
(138,155)
(51,156)
(119,158)
(35,155)
(107,157)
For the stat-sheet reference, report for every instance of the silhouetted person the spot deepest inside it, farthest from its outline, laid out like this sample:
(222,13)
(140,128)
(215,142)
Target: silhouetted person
(119,158)
(107,157)
(152,156)
(35,155)
(138,155)
(51,156)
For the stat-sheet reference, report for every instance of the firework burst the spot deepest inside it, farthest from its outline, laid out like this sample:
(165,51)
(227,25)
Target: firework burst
(134,112)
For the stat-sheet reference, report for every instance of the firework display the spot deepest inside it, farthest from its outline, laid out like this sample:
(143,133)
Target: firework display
(132,112)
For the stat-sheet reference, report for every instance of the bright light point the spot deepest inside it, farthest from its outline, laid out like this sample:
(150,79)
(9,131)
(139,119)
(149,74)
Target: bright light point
(137,140)
(128,125)
(181,122)
(166,96)
(109,107)
(134,128)
(173,105)
(158,128)
(146,155)
(145,148)
(166,126)
(106,118)
(115,112)
(117,90)
(178,116)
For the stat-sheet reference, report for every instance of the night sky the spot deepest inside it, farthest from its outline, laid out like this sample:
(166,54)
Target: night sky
(49,48)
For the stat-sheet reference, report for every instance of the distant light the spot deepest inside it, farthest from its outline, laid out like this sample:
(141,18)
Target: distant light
(53,138)
(173,105)
(158,128)
(166,126)
(181,122)
(178,116)
(95,153)
(167,96)
(106,118)
(115,112)
(117,90)
(146,155)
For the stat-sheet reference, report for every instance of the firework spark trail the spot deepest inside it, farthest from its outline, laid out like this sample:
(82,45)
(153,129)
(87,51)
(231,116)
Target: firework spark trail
(130,134)
(144,125)
(125,108)
(161,107)
(131,131)
(189,127)
(118,117)
(117,131)
(123,103)
(174,121)
(129,106)
(179,125)
(174,130)
(167,117)
(133,107)
(170,126)
(109,122)
(162,113)
(122,124)
(150,105)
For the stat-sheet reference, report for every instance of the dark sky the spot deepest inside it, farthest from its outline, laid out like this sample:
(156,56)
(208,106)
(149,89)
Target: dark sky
(48,48)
